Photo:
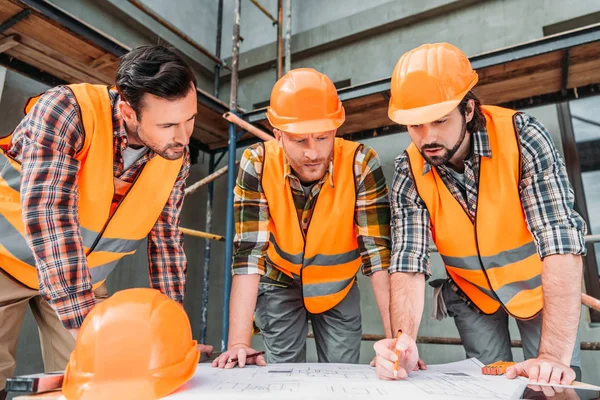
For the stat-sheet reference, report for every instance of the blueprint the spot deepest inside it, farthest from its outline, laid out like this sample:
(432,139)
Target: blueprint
(460,380)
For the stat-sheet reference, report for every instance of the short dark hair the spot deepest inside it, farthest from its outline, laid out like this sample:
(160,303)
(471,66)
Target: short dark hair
(478,121)
(153,69)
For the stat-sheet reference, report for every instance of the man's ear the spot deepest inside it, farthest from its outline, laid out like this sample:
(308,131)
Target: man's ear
(470,110)
(278,136)
(128,113)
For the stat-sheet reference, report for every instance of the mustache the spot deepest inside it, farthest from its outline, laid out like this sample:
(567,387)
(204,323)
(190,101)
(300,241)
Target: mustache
(432,146)
(323,161)
(174,145)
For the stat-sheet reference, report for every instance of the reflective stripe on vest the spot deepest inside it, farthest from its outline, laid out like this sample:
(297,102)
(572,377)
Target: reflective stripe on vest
(328,259)
(106,236)
(493,259)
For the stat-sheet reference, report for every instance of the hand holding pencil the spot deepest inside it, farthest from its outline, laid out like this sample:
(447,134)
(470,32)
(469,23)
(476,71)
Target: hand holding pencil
(396,357)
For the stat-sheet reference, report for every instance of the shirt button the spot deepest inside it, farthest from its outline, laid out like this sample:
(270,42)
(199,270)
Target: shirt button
(305,220)
(546,178)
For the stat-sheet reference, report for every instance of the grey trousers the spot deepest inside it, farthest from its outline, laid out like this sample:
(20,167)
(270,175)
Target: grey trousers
(487,337)
(283,321)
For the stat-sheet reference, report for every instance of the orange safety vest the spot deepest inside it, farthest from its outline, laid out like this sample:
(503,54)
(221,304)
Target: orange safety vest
(493,260)
(327,259)
(107,235)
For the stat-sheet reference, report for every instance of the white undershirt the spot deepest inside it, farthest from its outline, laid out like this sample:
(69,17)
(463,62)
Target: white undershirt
(131,155)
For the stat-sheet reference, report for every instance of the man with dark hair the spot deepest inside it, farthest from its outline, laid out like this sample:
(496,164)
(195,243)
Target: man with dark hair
(87,175)
(489,186)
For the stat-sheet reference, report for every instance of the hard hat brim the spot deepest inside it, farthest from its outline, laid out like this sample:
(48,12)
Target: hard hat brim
(429,113)
(306,127)
(423,115)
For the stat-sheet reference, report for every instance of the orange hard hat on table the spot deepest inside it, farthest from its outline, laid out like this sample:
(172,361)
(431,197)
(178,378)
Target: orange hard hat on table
(305,101)
(428,83)
(135,345)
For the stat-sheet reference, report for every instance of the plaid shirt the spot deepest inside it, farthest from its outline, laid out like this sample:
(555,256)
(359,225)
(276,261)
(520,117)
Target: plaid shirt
(372,213)
(546,196)
(45,143)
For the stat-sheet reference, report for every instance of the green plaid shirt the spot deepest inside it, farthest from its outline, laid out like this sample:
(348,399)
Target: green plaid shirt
(372,213)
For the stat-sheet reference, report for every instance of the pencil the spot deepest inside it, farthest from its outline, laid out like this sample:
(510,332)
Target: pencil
(396,364)
(235,359)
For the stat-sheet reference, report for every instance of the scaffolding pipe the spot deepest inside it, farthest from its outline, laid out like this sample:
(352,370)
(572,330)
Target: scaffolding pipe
(207,179)
(248,127)
(264,11)
(288,36)
(207,248)
(595,346)
(217,83)
(200,234)
(590,302)
(279,38)
(229,227)
(148,11)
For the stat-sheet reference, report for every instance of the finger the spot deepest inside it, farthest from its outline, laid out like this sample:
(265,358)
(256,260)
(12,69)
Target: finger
(386,353)
(383,373)
(384,348)
(215,363)
(242,354)
(545,371)
(519,369)
(535,388)
(385,364)
(422,364)
(405,342)
(533,373)
(260,360)
(558,389)
(205,349)
(548,391)
(223,360)
(373,362)
(555,376)
(402,373)
(568,377)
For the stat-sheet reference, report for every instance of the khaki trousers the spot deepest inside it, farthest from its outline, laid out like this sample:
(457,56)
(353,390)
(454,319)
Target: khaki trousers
(56,341)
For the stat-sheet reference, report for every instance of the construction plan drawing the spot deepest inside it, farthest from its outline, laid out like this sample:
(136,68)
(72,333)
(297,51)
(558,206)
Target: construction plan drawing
(458,380)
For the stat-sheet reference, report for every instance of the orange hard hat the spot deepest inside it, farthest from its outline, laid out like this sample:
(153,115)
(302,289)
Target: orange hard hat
(305,101)
(135,345)
(428,83)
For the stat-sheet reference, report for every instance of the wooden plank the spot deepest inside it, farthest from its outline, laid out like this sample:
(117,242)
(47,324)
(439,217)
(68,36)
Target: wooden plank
(104,61)
(583,74)
(70,62)
(49,64)
(8,42)
(554,58)
(33,62)
(51,34)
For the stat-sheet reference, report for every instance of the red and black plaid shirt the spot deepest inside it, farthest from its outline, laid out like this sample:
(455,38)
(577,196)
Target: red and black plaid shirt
(45,143)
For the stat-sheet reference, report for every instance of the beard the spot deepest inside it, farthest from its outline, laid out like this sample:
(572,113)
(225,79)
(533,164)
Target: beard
(171,151)
(447,153)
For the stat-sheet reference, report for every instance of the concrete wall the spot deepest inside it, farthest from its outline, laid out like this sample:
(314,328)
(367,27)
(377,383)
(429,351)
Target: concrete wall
(129,26)
(365,46)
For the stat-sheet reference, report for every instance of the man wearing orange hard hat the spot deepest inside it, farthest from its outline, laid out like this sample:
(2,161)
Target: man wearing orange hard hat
(489,186)
(311,211)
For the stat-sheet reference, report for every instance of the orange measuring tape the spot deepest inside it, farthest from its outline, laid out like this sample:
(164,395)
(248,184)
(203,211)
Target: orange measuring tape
(497,368)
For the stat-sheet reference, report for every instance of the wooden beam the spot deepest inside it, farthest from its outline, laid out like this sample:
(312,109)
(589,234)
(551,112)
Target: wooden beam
(103,61)
(9,42)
